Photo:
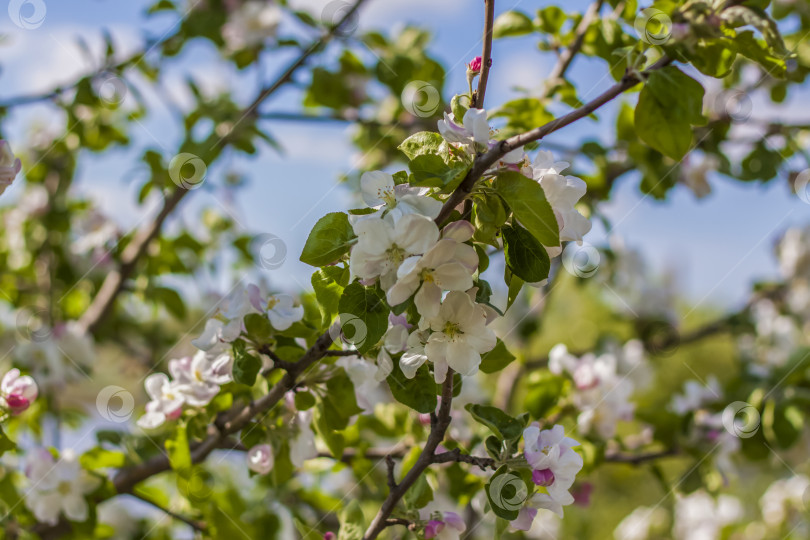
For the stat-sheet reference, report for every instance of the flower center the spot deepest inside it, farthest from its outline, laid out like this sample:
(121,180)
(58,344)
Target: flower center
(451,329)
(64,488)
(395,254)
(427,275)
(271,302)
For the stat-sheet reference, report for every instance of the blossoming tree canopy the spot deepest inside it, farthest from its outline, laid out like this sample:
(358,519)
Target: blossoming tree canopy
(473,356)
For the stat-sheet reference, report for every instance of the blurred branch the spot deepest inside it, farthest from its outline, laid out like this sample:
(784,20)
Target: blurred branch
(486,54)
(439,423)
(196,525)
(113,283)
(455,456)
(567,56)
(638,459)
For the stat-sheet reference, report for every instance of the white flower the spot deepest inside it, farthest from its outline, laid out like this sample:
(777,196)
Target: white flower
(226,325)
(9,166)
(302,446)
(563,193)
(695,395)
(395,340)
(378,189)
(641,523)
(544,164)
(166,401)
(793,252)
(555,464)
(198,378)
(382,245)
(474,128)
(784,498)
(57,486)
(414,355)
(447,266)
(699,517)
(17,392)
(282,312)
(363,374)
(460,335)
(260,458)
(601,394)
(251,24)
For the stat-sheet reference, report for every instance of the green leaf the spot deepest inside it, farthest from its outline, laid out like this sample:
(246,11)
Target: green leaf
(6,444)
(329,240)
(430,170)
(419,494)
(496,359)
(669,104)
(424,142)
(246,366)
(514,283)
(334,439)
(512,23)
(551,19)
(304,400)
(459,105)
(258,327)
(528,203)
(352,522)
(524,255)
(506,492)
(340,401)
(500,423)
(328,283)
(418,393)
(363,316)
(99,458)
(171,300)
(178,451)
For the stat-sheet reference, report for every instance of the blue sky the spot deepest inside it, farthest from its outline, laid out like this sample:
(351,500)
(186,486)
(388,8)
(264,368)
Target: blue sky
(716,246)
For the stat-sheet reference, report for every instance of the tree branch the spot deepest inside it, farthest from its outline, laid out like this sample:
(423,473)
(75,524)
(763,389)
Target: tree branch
(194,524)
(113,283)
(439,423)
(637,459)
(486,54)
(455,456)
(487,159)
(567,56)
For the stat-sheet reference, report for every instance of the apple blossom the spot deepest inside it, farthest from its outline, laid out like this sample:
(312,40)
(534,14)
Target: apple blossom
(414,355)
(563,193)
(555,464)
(227,323)
(17,391)
(282,312)
(473,130)
(698,516)
(302,445)
(475,64)
(166,401)
(382,245)
(379,190)
(251,24)
(394,341)
(57,486)
(198,378)
(260,458)
(363,375)
(459,336)
(447,266)
(9,166)
(695,395)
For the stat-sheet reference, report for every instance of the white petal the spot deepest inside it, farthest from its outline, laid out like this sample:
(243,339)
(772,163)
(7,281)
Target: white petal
(416,234)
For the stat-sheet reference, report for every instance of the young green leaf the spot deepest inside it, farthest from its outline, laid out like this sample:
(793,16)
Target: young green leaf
(363,316)
(512,23)
(528,203)
(424,142)
(496,359)
(329,239)
(524,255)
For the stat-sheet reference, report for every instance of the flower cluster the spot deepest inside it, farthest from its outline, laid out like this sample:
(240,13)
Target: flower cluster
(57,486)
(17,392)
(251,24)
(554,466)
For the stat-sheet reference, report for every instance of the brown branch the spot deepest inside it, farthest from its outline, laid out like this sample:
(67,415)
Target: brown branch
(389,464)
(487,159)
(567,56)
(391,522)
(455,456)
(486,54)
(439,423)
(113,283)
(638,459)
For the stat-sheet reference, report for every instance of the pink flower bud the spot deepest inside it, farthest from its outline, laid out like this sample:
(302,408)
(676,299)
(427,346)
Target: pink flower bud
(582,494)
(260,458)
(433,527)
(543,478)
(18,391)
(475,65)
(329,536)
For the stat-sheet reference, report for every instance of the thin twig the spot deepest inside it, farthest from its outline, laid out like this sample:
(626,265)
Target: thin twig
(456,456)
(486,54)
(567,56)
(637,459)
(194,524)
